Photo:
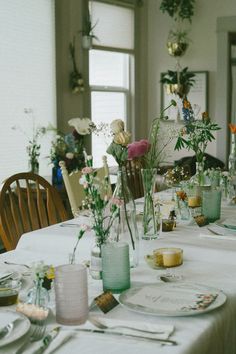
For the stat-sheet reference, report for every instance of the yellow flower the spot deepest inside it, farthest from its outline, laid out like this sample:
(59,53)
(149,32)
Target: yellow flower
(50,273)
(232,128)
(122,138)
(187,104)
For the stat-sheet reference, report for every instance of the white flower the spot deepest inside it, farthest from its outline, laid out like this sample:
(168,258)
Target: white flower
(83,126)
(117,126)
(82,180)
(69,155)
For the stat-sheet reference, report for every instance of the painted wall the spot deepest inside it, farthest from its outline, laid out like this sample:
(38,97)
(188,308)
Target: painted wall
(200,56)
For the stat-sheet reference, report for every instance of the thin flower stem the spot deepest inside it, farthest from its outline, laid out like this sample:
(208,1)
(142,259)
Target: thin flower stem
(126,216)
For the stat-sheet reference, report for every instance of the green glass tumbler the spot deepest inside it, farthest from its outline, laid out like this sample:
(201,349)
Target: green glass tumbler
(211,204)
(115,267)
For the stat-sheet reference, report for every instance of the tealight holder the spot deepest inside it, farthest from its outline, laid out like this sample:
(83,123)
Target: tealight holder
(165,258)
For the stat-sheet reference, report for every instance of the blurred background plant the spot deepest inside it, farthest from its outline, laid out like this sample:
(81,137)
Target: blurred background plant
(33,147)
(69,147)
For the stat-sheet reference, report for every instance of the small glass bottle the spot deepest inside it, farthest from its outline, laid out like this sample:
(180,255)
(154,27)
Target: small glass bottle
(95,269)
(124,227)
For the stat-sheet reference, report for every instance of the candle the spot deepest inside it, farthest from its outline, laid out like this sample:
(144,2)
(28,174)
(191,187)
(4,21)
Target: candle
(194,202)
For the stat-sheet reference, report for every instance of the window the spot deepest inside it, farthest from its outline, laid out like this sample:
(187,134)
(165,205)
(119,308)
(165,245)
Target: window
(27,71)
(111,67)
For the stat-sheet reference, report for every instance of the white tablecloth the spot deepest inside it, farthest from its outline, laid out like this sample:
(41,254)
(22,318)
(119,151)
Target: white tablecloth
(206,261)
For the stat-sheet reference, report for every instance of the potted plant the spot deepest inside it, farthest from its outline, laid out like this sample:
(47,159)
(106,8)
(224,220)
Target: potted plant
(178,9)
(87,31)
(178,82)
(177,42)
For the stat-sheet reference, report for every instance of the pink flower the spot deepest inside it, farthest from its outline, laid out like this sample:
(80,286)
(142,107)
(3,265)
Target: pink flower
(85,227)
(117,201)
(87,170)
(138,148)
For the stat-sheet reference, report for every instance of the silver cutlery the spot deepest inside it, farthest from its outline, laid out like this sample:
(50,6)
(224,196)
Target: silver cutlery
(17,264)
(70,225)
(47,340)
(6,277)
(37,333)
(100,325)
(8,328)
(98,331)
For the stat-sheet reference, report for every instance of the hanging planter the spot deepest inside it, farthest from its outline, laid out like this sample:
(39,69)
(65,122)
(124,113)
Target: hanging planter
(87,42)
(178,82)
(177,89)
(177,43)
(87,32)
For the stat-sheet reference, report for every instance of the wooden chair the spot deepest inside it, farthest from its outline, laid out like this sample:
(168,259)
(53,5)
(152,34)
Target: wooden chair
(75,190)
(27,202)
(133,171)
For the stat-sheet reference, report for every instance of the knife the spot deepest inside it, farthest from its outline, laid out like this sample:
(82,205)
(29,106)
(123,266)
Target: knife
(45,342)
(162,341)
(6,329)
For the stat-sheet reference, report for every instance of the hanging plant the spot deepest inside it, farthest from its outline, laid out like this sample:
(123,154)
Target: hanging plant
(87,31)
(178,82)
(177,42)
(76,80)
(178,9)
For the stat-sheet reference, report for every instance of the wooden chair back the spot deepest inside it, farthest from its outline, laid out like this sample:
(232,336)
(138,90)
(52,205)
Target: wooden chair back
(133,171)
(75,190)
(27,202)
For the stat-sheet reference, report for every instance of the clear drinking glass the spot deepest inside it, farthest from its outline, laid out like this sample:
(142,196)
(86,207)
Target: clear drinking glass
(115,266)
(71,292)
(211,204)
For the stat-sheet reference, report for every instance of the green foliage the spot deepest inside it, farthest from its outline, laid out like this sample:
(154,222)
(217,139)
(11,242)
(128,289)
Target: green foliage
(183,77)
(183,9)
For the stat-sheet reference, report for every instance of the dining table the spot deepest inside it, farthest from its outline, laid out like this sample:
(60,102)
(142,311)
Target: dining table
(209,260)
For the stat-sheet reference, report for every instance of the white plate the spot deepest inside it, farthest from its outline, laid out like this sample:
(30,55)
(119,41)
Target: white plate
(170,299)
(19,330)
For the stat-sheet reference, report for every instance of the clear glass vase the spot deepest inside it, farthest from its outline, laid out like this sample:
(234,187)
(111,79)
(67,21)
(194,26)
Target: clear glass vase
(199,176)
(232,159)
(34,165)
(95,269)
(151,222)
(124,227)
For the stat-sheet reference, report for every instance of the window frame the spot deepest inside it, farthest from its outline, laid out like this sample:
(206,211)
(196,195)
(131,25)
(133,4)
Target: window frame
(130,91)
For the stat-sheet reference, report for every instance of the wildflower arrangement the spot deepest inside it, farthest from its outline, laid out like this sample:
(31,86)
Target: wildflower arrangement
(33,147)
(196,134)
(69,147)
(175,175)
(147,151)
(97,200)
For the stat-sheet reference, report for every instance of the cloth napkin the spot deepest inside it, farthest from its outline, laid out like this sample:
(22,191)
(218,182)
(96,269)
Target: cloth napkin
(223,234)
(147,326)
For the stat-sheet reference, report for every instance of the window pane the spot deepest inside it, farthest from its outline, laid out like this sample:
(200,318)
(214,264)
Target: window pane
(105,107)
(108,68)
(27,71)
(115,25)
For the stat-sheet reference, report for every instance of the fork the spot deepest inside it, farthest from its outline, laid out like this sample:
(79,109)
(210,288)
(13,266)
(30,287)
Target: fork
(100,325)
(37,332)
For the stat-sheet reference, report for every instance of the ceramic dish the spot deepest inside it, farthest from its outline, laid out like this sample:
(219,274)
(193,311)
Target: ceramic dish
(19,330)
(172,299)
